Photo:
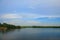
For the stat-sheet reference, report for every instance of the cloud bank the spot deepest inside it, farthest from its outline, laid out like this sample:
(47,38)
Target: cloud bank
(28,12)
(26,15)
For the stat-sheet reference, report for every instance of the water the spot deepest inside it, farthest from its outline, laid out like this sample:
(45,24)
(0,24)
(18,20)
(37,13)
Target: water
(31,34)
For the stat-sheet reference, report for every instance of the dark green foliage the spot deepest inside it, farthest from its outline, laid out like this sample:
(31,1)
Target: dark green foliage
(36,26)
(0,24)
(9,26)
(46,26)
(18,27)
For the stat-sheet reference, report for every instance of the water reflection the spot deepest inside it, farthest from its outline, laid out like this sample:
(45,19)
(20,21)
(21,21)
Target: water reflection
(31,34)
(6,31)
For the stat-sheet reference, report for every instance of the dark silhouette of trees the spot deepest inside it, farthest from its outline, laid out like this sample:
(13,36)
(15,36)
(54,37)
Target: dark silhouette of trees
(9,26)
(18,27)
(0,24)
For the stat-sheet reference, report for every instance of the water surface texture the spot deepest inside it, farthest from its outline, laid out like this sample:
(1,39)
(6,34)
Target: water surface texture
(31,34)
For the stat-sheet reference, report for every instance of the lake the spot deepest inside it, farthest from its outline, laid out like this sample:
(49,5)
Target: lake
(31,34)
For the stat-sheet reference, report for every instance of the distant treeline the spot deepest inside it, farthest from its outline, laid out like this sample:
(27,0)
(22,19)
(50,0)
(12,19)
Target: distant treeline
(10,26)
(46,26)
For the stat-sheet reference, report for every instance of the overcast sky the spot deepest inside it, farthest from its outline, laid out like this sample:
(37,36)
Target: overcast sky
(30,12)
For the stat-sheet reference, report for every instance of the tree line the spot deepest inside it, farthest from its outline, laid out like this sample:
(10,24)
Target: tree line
(9,26)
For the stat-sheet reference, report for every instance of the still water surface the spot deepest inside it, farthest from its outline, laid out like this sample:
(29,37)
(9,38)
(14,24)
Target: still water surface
(31,34)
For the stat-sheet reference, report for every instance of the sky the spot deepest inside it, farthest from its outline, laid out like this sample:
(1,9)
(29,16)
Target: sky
(30,12)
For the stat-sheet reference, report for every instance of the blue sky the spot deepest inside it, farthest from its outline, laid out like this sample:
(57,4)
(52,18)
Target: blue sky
(30,12)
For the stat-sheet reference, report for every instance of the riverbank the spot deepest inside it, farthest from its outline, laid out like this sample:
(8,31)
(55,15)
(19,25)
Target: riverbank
(6,26)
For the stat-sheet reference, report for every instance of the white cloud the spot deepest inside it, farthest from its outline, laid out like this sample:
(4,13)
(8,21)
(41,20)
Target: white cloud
(22,22)
(33,22)
(26,22)
(19,15)
(29,22)
(53,17)
(27,15)
(10,15)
